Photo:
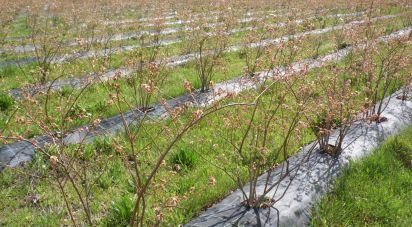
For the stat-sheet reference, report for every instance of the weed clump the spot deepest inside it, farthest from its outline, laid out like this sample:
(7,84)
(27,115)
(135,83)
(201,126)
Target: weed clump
(120,212)
(103,145)
(403,151)
(342,45)
(186,159)
(66,91)
(7,71)
(5,102)
(104,181)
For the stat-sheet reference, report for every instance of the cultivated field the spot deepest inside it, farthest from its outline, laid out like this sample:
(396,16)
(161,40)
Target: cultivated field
(145,113)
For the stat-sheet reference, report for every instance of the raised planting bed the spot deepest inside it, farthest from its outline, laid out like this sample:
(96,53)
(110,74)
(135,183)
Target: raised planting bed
(310,177)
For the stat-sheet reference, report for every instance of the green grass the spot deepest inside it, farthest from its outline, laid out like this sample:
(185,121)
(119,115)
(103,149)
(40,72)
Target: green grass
(376,191)
(20,27)
(6,102)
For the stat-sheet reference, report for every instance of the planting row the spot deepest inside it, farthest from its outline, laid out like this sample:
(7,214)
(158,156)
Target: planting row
(94,104)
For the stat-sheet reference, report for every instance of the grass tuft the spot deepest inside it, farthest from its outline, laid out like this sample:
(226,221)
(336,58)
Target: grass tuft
(187,159)
(120,212)
(6,102)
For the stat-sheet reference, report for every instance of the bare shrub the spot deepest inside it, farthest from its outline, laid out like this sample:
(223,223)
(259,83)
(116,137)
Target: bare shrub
(149,69)
(379,69)
(336,109)
(273,130)
(47,37)
(209,44)
(253,48)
